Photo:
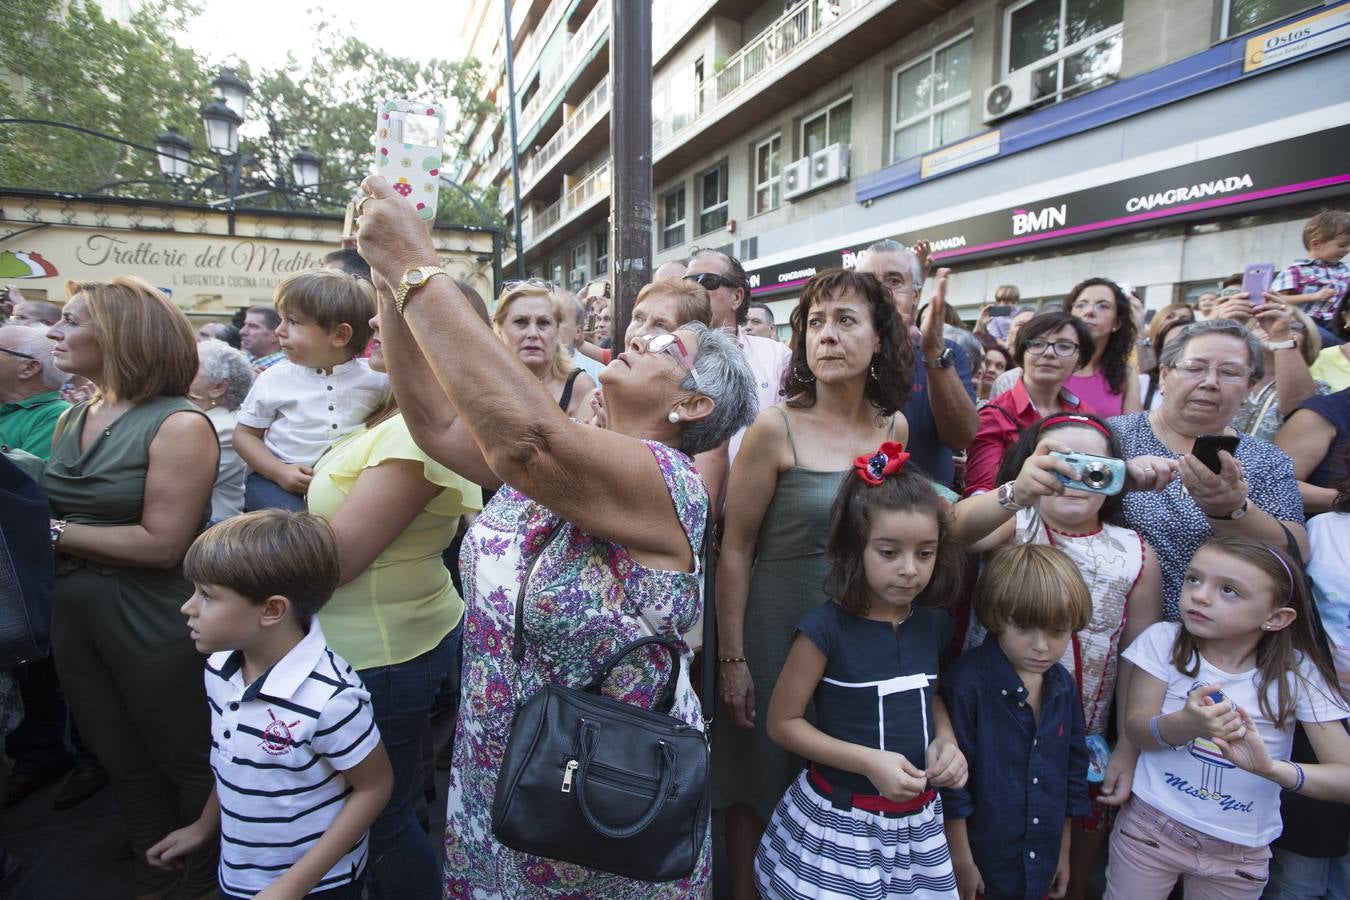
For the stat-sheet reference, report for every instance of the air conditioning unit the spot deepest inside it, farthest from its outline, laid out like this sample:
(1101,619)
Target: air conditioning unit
(797,178)
(829,165)
(1014,93)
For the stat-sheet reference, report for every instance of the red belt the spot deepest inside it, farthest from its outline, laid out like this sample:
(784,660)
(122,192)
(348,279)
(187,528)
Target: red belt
(873,802)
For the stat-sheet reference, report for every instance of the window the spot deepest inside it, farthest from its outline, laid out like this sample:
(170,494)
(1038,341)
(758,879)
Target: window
(602,254)
(578,271)
(829,126)
(768,166)
(1244,15)
(931,102)
(672,218)
(555,270)
(712,199)
(1073,45)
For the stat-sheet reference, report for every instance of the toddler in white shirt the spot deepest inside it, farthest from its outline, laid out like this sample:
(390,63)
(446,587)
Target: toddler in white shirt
(322,392)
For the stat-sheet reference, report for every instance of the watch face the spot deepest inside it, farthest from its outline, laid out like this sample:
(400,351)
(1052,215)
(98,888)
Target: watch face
(415,276)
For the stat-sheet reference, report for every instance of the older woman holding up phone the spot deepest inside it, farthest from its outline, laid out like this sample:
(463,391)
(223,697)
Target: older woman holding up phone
(1206,373)
(608,524)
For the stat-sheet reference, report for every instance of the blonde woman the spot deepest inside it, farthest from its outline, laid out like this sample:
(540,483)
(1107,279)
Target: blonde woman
(527,320)
(129,482)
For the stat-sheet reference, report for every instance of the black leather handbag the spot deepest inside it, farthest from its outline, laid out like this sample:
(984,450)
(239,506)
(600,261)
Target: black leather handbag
(25,563)
(604,784)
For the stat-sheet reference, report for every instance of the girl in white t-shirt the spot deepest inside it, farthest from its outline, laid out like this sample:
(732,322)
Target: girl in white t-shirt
(1212,707)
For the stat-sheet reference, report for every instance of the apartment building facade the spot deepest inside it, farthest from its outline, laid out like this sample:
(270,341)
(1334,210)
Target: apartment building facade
(1166,143)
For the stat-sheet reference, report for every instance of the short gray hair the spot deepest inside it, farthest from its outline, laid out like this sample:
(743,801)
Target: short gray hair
(34,342)
(221,362)
(887,245)
(724,376)
(1256,354)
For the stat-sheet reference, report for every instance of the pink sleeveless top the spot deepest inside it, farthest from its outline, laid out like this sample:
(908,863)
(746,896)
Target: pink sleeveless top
(1096,394)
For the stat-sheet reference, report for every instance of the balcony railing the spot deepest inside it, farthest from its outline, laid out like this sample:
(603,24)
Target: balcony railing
(549,217)
(569,204)
(529,48)
(595,104)
(552,81)
(767,53)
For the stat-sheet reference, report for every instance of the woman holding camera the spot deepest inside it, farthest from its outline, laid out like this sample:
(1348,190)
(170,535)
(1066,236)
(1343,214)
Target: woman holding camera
(1206,373)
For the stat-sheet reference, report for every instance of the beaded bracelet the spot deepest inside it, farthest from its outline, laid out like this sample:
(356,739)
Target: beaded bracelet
(730,659)
(1298,785)
(1156,731)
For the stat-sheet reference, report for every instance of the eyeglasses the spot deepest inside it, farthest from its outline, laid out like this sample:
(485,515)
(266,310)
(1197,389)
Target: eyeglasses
(711,281)
(670,343)
(539,283)
(17,353)
(1227,373)
(1039,346)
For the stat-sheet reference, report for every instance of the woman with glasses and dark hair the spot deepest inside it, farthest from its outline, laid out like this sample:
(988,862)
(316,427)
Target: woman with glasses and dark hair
(1050,347)
(1206,373)
(851,365)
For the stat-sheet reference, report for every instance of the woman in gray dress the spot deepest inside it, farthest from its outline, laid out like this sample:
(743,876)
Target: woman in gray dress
(850,368)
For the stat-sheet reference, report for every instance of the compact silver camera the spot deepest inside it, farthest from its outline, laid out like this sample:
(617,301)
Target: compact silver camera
(1098,474)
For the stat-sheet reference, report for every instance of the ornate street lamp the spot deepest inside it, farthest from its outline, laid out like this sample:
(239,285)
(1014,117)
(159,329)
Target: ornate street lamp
(305,169)
(233,90)
(173,152)
(222,127)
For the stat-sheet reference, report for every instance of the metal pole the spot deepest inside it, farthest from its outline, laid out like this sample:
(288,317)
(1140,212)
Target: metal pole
(630,147)
(515,160)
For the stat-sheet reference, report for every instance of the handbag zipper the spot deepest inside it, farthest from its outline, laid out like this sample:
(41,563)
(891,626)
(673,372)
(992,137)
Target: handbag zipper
(567,776)
(611,775)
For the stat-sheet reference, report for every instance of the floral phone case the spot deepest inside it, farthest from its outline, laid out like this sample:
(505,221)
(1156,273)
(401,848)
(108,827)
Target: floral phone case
(409,139)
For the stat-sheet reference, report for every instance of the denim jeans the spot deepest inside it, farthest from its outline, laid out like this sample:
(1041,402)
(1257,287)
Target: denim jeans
(263,493)
(404,860)
(1295,877)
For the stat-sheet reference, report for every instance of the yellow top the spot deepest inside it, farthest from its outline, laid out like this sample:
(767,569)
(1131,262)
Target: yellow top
(404,604)
(1332,367)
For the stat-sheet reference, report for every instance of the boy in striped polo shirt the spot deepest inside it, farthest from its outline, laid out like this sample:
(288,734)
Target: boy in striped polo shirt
(300,769)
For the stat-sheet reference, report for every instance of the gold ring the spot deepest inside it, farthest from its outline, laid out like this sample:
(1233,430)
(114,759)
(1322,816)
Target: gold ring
(361,205)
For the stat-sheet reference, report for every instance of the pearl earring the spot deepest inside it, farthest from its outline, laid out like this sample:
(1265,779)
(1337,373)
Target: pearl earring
(674,417)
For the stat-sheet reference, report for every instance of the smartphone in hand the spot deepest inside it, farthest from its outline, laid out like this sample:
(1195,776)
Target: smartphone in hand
(1207,447)
(409,141)
(1256,280)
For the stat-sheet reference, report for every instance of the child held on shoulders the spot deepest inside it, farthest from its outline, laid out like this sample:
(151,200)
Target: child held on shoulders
(864,819)
(300,770)
(1321,279)
(1019,722)
(323,391)
(1212,707)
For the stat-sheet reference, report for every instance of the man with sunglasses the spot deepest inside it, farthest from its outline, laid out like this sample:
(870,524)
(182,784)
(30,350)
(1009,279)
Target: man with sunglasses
(30,397)
(723,277)
(941,411)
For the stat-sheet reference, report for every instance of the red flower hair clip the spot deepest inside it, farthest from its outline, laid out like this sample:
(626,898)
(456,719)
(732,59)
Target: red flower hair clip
(889,459)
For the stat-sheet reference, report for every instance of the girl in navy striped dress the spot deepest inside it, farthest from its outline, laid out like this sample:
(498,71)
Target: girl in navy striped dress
(864,819)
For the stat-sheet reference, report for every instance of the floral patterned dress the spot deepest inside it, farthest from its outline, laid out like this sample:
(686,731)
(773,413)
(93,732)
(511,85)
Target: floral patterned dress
(587,597)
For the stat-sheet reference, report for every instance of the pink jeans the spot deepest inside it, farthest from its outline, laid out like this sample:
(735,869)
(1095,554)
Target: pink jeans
(1149,850)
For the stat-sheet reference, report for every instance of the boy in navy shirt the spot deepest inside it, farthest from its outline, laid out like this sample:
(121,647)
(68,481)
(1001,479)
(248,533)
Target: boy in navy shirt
(1018,719)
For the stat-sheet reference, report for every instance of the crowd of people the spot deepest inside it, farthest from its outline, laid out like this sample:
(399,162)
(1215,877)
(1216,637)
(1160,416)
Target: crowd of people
(997,608)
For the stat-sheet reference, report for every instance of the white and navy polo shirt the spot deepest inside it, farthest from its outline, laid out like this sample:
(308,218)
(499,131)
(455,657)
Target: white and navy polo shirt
(278,749)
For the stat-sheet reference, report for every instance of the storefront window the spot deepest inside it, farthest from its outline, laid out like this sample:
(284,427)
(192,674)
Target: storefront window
(1074,45)
(931,101)
(1244,15)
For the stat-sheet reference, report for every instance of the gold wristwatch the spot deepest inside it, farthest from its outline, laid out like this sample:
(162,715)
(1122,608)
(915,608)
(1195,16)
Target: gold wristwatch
(412,280)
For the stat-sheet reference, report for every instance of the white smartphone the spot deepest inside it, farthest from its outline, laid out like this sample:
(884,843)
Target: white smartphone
(409,141)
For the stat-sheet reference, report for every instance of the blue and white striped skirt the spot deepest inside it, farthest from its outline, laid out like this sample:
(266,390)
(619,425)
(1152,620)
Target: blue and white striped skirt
(811,851)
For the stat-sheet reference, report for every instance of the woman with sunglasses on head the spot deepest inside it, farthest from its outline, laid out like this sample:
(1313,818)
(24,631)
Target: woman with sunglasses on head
(526,319)
(596,532)
(1050,347)
(851,362)
(1206,372)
